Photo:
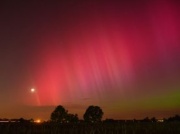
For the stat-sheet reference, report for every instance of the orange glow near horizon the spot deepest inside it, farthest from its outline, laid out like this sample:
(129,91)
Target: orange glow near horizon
(38,121)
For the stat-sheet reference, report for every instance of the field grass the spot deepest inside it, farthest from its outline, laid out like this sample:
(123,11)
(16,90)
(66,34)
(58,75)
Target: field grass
(84,128)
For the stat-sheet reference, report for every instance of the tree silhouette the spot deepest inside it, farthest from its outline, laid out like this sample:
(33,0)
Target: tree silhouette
(72,118)
(153,119)
(59,114)
(93,114)
(174,118)
(146,119)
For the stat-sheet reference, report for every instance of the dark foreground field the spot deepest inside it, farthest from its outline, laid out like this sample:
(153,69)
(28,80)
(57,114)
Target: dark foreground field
(82,128)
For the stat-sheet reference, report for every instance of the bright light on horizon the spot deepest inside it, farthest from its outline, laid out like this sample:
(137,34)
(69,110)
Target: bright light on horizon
(37,121)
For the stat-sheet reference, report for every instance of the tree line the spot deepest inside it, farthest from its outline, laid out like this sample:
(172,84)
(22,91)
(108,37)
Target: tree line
(92,114)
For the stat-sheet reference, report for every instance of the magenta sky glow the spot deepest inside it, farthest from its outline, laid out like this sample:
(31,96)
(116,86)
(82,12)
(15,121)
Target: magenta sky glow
(122,56)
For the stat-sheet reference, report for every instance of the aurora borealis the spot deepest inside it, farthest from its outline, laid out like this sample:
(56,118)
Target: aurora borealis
(121,56)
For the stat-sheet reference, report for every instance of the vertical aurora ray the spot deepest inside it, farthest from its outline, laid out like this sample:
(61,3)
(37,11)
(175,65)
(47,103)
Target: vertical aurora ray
(90,69)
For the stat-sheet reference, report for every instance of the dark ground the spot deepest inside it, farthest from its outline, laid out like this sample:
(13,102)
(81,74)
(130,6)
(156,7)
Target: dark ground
(84,128)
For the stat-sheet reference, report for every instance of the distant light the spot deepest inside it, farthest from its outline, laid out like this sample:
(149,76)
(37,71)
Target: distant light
(5,121)
(37,121)
(160,120)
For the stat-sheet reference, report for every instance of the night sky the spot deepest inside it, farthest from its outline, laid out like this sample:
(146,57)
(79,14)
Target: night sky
(123,56)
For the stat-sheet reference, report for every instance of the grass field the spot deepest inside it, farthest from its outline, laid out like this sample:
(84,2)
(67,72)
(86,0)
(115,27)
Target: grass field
(83,128)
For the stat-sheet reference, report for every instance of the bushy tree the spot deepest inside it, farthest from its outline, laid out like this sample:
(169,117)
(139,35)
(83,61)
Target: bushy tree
(72,118)
(93,114)
(59,114)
